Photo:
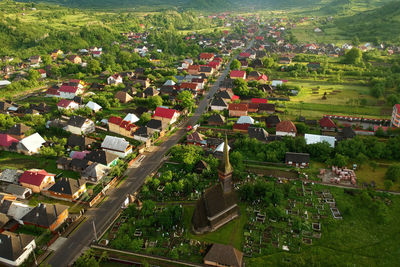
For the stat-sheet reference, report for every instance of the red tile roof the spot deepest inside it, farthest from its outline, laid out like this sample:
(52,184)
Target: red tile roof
(397,106)
(238,74)
(235,97)
(34,177)
(53,92)
(242,107)
(286,126)
(194,67)
(192,86)
(259,100)
(206,55)
(7,140)
(241,127)
(327,122)
(64,103)
(244,54)
(263,77)
(115,120)
(165,112)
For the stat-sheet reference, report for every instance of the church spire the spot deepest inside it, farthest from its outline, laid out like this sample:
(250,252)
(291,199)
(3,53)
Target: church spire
(226,166)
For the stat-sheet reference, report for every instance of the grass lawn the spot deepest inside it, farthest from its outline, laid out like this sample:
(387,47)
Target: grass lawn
(360,239)
(229,234)
(312,92)
(367,174)
(23,162)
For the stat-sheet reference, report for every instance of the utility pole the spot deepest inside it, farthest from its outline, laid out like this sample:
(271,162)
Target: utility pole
(94,230)
(34,256)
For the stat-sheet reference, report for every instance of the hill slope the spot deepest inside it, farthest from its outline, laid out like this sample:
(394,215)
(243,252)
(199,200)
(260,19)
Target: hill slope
(376,25)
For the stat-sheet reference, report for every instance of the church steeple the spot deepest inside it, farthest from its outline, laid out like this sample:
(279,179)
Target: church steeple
(225,166)
(225,169)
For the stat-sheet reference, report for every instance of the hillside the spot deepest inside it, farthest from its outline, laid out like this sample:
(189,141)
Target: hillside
(382,24)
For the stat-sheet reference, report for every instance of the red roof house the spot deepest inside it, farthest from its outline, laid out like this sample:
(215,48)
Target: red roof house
(67,104)
(259,100)
(286,128)
(237,110)
(207,56)
(36,180)
(263,78)
(236,74)
(7,140)
(327,124)
(245,55)
(166,115)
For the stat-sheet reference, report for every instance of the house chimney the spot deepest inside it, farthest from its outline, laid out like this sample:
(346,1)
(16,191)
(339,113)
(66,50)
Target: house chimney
(55,210)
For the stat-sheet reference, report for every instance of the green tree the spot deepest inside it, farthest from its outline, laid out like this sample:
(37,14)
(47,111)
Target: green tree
(393,173)
(235,65)
(353,56)
(155,101)
(186,99)
(93,66)
(145,118)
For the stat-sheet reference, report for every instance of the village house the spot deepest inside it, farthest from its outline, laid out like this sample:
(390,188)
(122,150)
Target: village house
(216,120)
(93,106)
(66,104)
(315,138)
(196,138)
(114,79)
(266,108)
(43,73)
(223,256)
(35,60)
(80,125)
(95,172)
(103,157)
(18,191)
(120,126)
(151,91)
(7,142)
(31,144)
(123,97)
(67,189)
(286,128)
(143,134)
(237,110)
(327,124)
(207,57)
(218,104)
(243,124)
(258,133)
(36,180)
(301,160)
(15,248)
(238,74)
(166,115)
(395,121)
(75,59)
(49,216)
(82,142)
(56,53)
(271,121)
(116,145)
(157,126)
(10,176)
(18,131)
(69,92)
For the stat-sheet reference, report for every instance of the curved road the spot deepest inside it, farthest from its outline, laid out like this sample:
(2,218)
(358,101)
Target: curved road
(75,244)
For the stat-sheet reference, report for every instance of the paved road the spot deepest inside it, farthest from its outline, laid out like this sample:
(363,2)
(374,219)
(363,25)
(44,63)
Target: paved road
(102,215)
